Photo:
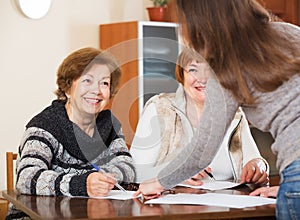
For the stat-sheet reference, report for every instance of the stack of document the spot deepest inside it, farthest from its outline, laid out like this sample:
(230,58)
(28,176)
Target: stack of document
(214,185)
(213,199)
(114,194)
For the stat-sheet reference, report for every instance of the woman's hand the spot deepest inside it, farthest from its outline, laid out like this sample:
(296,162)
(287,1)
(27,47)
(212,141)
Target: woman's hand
(266,191)
(196,180)
(99,184)
(149,189)
(255,171)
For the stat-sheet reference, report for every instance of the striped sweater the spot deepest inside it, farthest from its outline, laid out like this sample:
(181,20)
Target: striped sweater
(56,156)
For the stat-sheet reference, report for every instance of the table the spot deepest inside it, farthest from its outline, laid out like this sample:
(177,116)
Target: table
(46,207)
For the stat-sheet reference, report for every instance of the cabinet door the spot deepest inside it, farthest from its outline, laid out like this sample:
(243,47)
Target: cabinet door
(121,40)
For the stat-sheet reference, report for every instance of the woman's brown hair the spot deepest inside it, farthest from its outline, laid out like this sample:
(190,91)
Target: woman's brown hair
(237,40)
(79,62)
(186,56)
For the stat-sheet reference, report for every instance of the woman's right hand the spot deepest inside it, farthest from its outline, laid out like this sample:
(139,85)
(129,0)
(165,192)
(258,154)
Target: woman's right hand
(99,184)
(196,180)
(150,189)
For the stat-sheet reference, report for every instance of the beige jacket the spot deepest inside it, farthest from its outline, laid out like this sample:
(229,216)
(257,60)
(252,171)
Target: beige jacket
(176,130)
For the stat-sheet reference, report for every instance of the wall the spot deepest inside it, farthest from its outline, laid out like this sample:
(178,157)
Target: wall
(31,51)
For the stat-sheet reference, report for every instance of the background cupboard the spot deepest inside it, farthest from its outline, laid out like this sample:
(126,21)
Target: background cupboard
(147,52)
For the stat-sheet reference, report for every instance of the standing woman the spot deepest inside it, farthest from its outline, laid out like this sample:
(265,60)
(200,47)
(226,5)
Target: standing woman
(257,66)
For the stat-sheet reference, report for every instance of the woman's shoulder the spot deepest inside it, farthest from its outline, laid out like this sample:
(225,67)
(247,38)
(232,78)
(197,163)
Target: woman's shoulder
(162,101)
(285,26)
(162,98)
(291,31)
(48,115)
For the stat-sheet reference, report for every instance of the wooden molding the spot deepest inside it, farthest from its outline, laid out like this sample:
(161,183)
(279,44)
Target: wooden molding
(287,10)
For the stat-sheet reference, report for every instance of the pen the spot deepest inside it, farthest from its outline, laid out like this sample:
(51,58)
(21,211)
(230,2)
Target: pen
(209,174)
(116,184)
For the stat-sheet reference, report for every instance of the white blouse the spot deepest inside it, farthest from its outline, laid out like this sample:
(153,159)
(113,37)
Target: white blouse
(146,145)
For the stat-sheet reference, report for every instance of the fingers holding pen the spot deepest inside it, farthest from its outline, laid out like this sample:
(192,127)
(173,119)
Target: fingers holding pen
(255,172)
(99,184)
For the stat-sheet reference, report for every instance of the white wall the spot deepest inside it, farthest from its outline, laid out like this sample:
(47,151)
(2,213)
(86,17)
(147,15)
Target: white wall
(31,50)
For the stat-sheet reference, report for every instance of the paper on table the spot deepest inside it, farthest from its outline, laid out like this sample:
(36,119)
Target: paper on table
(114,194)
(213,199)
(213,185)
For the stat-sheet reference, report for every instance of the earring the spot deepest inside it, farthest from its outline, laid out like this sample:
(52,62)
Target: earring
(68,99)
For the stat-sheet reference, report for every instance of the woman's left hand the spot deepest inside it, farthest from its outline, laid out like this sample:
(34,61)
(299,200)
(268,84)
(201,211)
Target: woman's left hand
(255,172)
(150,189)
(266,192)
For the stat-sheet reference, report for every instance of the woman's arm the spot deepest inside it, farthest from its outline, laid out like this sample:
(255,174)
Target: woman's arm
(146,142)
(41,172)
(255,167)
(120,164)
(219,110)
(249,147)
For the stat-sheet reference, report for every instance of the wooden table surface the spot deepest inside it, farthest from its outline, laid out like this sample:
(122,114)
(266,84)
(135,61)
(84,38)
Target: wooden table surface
(46,207)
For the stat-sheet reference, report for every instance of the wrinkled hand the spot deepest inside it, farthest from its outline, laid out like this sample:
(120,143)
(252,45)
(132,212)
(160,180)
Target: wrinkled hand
(266,191)
(149,189)
(255,172)
(196,180)
(99,184)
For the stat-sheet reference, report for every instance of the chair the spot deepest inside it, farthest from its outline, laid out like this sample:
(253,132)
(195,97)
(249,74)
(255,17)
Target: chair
(10,157)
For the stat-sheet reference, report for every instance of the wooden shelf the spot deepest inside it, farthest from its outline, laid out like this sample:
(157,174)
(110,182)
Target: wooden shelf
(287,10)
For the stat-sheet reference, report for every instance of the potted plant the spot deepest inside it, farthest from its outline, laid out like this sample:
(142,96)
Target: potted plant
(160,3)
(157,12)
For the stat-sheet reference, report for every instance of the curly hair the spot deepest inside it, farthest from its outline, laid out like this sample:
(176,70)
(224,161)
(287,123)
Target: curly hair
(79,62)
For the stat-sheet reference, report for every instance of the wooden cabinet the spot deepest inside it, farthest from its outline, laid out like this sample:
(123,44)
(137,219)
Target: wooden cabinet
(288,10)
(147,52)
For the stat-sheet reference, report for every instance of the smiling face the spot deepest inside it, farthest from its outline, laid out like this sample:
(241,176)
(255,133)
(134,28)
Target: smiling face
(195,79)
(89,94)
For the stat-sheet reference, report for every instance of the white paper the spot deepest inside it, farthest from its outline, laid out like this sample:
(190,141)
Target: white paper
(213,185)
(213,199)
(114,194)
